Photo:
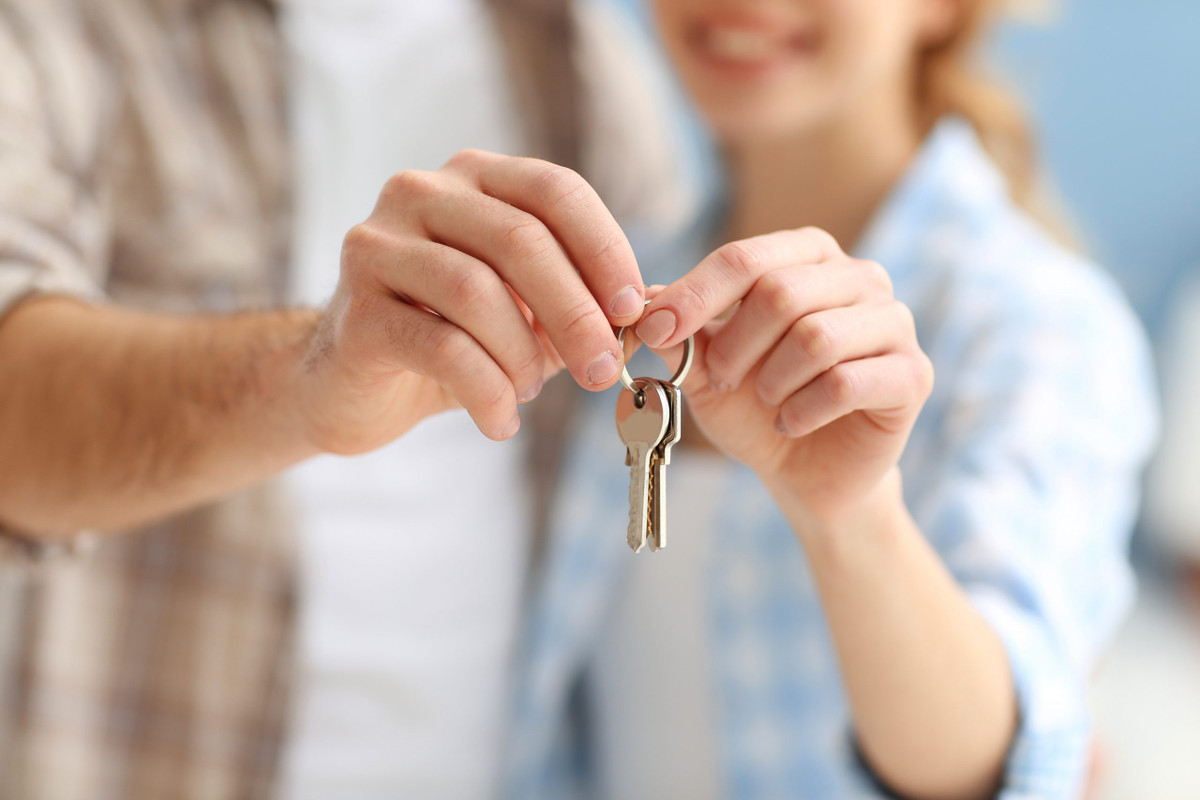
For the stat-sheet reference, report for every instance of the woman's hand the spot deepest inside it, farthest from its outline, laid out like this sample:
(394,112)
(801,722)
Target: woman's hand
(815,379)
(818,344)
(468,286)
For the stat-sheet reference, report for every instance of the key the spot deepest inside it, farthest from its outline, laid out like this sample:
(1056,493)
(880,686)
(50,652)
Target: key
(658,497)
(641,428)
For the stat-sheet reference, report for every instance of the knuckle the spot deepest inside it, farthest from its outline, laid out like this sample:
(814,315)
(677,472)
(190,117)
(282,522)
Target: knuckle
(580,322)
(815,338)
(470,157)
(692,297)
(581,319)
(494,393)
(820,237)
(410,185)
(359,244)
(527,238)
(922,376)
(472,289)
(613,249)
(558,184)
(530,360)
(742,259)
(776,293)
(907,322)
(876,276)
(841,386)
(447,346)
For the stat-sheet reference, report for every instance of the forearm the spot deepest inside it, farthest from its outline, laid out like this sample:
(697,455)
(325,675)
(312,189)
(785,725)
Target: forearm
(110,418)
(928,681)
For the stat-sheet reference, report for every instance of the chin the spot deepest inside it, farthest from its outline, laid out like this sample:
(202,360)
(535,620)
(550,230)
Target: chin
(760,120)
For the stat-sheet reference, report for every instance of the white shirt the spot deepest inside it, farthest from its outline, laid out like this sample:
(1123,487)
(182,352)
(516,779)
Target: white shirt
(413,556)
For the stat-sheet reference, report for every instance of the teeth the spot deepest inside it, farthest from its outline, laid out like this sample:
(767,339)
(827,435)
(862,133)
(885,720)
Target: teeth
(738,44)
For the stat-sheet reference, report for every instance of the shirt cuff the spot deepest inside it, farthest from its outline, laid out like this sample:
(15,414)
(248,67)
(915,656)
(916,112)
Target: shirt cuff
(19,551)
(19,281)
(1049,755)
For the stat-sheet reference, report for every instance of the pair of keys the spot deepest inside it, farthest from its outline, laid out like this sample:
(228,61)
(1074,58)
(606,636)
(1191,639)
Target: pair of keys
(649,420)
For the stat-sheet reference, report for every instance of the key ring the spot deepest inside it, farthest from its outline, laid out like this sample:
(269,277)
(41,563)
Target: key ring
(677,378)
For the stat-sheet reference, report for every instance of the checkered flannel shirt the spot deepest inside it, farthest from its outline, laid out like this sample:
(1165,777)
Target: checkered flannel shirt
(144,158)
(1023,471)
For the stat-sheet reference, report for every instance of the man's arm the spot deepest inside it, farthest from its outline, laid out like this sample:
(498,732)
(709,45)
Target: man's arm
(467,287)
(110,418)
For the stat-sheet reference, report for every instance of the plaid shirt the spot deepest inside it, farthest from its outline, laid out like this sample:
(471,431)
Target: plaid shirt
(143,157)
(1022,471)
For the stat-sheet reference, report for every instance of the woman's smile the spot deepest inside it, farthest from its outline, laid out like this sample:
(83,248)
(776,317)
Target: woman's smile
(740,44)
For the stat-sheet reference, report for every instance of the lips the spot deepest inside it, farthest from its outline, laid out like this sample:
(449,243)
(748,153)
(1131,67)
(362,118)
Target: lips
(745,45)
(749,44)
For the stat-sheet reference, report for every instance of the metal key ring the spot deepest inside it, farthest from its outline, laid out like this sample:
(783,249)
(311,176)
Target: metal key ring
(677,378)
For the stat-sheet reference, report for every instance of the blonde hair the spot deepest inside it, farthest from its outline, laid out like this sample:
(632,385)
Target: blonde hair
(950,80)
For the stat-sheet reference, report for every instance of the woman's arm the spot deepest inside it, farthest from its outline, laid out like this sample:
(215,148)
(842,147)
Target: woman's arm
(815,382)
(927,678)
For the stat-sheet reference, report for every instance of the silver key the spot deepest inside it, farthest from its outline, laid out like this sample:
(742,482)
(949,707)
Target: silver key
(643,416)
(658,497)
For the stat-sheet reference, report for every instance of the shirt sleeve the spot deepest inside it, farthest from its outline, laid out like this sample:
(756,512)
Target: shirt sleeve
(53,224)
(1049,418)
(54,227)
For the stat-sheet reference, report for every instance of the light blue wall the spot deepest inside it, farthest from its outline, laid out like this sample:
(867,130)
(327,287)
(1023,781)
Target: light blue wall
(1115,91)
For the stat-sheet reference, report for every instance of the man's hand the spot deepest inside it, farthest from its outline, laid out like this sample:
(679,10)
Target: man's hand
(468,286)
(816,378)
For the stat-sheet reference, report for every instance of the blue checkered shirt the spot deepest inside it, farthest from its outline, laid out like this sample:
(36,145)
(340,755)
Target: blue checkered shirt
(1022,471)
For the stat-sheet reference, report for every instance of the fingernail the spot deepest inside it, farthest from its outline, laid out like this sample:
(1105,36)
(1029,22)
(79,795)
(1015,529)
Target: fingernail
(512,428)
(627,303)
(531,392)
(780,427)
(656,328)
(603,369)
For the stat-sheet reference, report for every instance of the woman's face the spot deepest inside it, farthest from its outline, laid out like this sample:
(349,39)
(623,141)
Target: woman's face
(772,68)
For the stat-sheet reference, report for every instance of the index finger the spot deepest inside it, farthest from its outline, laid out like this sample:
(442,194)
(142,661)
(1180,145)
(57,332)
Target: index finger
(724,277)
(578,218)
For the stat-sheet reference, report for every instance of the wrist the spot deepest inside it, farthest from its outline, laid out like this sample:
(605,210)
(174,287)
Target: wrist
(872,517)
(344,401)
(300,372)
(280,350)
